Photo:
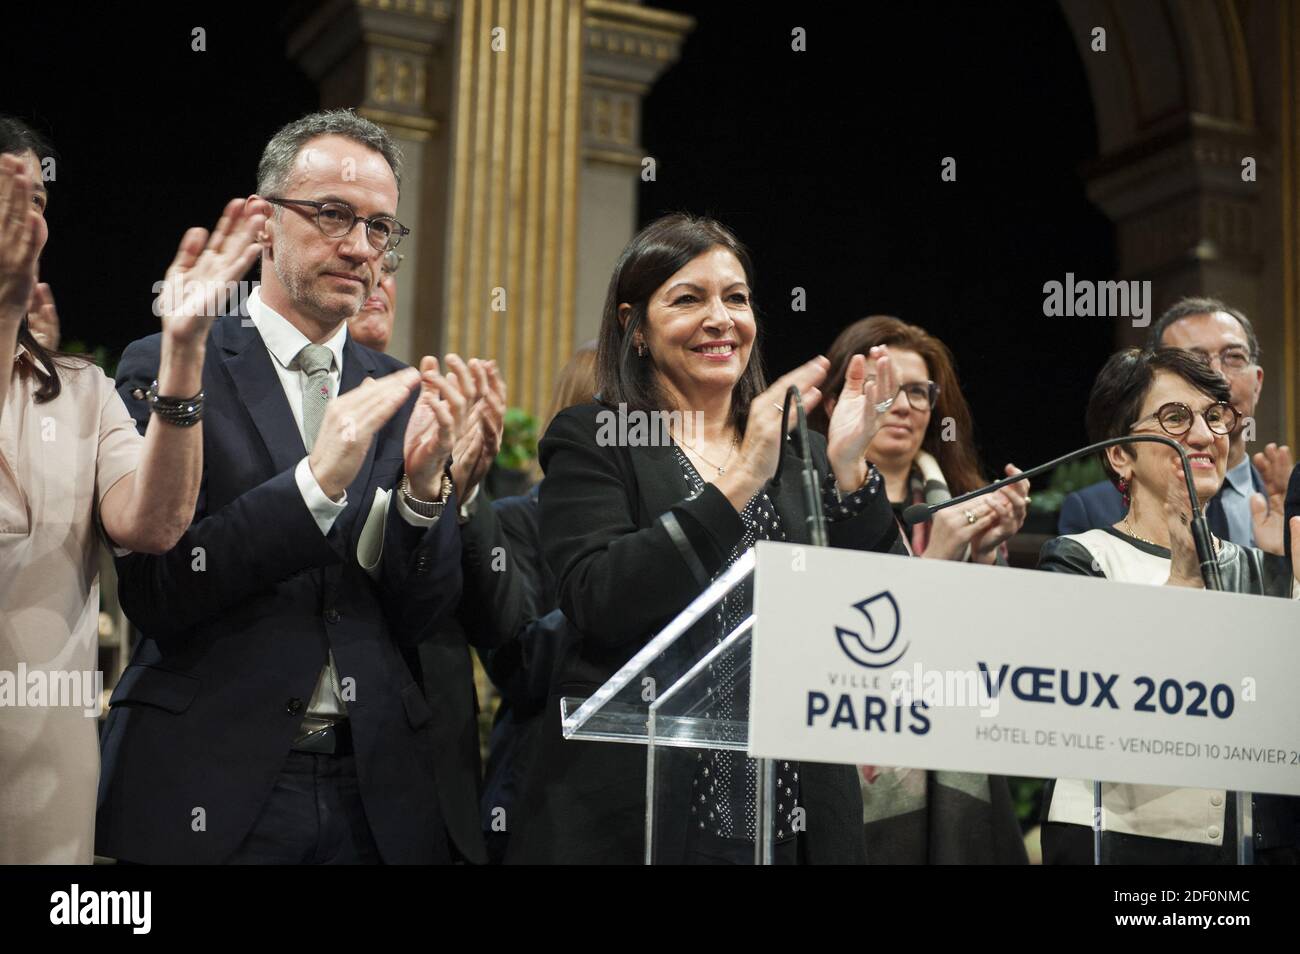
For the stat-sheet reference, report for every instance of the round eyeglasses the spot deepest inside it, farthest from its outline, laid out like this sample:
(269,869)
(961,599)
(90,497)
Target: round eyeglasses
(336,219)
(392,262)
(1175,418)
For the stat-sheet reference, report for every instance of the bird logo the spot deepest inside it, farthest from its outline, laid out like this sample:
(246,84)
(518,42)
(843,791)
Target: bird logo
(875,650)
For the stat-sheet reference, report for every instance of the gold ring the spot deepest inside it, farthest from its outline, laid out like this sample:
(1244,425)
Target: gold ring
(970,516)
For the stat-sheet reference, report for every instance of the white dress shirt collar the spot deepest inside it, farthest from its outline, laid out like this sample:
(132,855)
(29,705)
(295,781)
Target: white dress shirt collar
(283,340)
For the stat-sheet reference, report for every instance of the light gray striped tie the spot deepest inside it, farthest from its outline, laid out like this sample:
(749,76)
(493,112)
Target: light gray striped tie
(315,360)
(326,706)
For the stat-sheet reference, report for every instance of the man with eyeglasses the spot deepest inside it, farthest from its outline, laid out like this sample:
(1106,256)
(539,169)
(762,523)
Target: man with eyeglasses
(270,713)
(1226,339)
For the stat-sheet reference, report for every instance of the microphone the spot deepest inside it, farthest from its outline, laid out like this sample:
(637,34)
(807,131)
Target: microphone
(815,519)
(919,513)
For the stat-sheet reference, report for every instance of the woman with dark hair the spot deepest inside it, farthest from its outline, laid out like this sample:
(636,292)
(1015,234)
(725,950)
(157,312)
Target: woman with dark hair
(73,469)
(634,530)
(925,451)
(1174,393)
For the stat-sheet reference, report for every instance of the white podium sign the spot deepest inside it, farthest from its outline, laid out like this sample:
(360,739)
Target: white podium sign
(879,659)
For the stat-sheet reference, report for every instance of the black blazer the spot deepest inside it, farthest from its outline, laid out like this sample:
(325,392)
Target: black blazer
(630,549)
(238,617)
(1097,505)
(523,667)
(494,588)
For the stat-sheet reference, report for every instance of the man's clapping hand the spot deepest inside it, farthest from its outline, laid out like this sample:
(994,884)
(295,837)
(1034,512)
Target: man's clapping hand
(480,441)
(350,424)
(436,422)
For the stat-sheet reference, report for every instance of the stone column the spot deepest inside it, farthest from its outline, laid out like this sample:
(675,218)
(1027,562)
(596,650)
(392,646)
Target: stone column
(1287,106)
(1184,94)
(1184,217)
(520,123)
(628,47)
(511,249)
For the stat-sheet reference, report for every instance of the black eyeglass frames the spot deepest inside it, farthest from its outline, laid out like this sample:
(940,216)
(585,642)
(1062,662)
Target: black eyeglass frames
(336,219)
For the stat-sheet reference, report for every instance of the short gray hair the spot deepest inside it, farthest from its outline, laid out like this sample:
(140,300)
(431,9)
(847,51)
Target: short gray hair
(280,153)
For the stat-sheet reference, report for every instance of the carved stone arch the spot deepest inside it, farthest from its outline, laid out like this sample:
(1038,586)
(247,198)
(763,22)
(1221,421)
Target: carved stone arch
(1188,95)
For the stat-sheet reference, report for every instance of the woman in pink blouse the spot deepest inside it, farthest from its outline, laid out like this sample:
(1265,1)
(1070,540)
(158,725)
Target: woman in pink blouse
(74,470)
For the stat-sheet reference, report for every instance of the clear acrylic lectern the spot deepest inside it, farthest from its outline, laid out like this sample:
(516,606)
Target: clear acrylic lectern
(685,696)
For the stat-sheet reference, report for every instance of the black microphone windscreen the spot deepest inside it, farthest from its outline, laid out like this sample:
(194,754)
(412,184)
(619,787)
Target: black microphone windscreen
(917,513)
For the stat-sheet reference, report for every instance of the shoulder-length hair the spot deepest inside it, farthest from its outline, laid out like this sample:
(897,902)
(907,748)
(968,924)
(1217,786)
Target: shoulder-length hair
(957,458)
(654,255)
(18,139)
(576,382)
(1123,383)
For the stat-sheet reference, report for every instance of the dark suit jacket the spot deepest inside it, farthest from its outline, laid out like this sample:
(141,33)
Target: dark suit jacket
(494,589)
(523,667)
(1277,567)
(630,549)
(238,617)
(445,669)
(1097,505)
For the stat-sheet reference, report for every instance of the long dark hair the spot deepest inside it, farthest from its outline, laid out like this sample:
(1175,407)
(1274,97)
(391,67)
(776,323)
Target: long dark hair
(957,458)
(653,256)
(17,138)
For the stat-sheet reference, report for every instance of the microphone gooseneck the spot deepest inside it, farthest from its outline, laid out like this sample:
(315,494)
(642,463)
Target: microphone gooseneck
(815,519)
(919,513)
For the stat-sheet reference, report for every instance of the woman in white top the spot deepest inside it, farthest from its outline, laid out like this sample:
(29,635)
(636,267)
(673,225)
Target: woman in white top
(73,468)
(1175,393)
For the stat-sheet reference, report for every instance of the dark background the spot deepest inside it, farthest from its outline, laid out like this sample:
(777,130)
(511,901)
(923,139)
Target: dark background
(826,163)
(152,138)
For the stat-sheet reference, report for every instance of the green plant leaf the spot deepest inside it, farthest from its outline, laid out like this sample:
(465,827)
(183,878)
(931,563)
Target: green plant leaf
(518,440)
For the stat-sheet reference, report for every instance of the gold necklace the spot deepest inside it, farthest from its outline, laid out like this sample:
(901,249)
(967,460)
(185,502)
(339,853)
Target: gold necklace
(720,468)
(1214,541)
(1135,535)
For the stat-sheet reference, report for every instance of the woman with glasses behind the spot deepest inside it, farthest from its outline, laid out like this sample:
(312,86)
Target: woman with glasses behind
(925,450)
(1172,393)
